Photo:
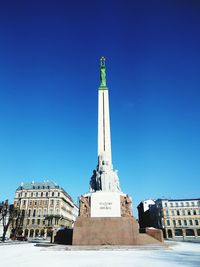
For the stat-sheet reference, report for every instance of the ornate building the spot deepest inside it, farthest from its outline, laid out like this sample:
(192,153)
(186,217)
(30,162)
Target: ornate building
(176,217)
(44,207)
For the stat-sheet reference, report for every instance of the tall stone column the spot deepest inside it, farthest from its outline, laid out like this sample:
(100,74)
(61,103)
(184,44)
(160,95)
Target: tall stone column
(104,178)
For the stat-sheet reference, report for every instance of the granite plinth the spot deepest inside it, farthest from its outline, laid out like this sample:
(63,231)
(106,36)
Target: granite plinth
(105,231)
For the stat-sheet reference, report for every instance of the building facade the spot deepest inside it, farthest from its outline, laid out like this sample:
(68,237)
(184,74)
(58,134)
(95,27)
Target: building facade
(176,217)
(44,208)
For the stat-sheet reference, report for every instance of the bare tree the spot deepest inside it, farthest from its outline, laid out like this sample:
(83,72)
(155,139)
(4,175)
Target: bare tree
(11,216)
(4,217)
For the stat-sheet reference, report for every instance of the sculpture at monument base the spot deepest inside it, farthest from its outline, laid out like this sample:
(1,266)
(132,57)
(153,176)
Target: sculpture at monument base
(84,207)
(125,206)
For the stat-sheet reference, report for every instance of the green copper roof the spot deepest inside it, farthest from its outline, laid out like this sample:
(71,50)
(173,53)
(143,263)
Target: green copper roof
(103,73)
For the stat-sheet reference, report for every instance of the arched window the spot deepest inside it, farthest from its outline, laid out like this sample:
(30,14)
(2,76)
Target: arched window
(31,233)
(42,232)
(170,233)
(198,232)
(189,232)
(26,232)
(178,232)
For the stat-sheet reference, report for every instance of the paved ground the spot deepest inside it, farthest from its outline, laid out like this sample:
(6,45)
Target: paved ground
(29,255)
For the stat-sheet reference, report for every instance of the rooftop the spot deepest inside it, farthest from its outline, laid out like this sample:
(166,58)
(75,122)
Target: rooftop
(42,185)
(38,185)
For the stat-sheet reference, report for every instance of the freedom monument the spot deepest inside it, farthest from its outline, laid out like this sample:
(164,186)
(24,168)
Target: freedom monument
(105,213)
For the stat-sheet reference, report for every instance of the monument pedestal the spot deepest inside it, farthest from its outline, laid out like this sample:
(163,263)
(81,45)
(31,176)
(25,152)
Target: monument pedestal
(105,231)
(105,218)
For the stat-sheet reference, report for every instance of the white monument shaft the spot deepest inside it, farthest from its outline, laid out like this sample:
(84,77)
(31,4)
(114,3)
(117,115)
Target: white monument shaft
(104,140)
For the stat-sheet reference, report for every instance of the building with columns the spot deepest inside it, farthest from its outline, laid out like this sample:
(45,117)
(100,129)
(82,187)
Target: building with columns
(178,218)
(44,208)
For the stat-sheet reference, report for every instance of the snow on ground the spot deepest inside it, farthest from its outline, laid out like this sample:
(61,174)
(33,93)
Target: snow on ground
(28,255)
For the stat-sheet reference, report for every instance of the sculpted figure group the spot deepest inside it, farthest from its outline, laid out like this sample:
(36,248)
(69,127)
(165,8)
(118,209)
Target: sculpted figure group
(84,209)
(126,206)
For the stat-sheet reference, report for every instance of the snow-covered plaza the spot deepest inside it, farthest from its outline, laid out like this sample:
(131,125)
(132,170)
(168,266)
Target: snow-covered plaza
(29,255)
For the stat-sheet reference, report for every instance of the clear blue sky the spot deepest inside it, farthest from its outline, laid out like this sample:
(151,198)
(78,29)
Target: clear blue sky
(49,76)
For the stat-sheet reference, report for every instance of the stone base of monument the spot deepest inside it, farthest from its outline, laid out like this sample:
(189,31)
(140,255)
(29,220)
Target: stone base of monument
(105,219)
(105,231)
(112,231)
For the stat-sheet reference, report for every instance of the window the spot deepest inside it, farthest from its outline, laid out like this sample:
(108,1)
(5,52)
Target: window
(39,212)
(182,204)
(28,221)
(168,222)
(58,194)
(178,212)
(171,204)
(30,203)
(185,222)
(173,212)
(179,222)
(165,204)
(23,213)
(51,211)
(192,203)
(187,204)
(52,194)
(196,222)
(176,204)
(33,221)
(32,194)
(46,194)
(36,194)
(174,222)
(194,212)
(34,213)
(166,212)
(40,202)
(41,194)
(35,203)
(58,202)
(190,222)
(24,202)
(45,212)
(189,213)
(29,213)
(25,194)
(52,201)
(183,212)
(38,221)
